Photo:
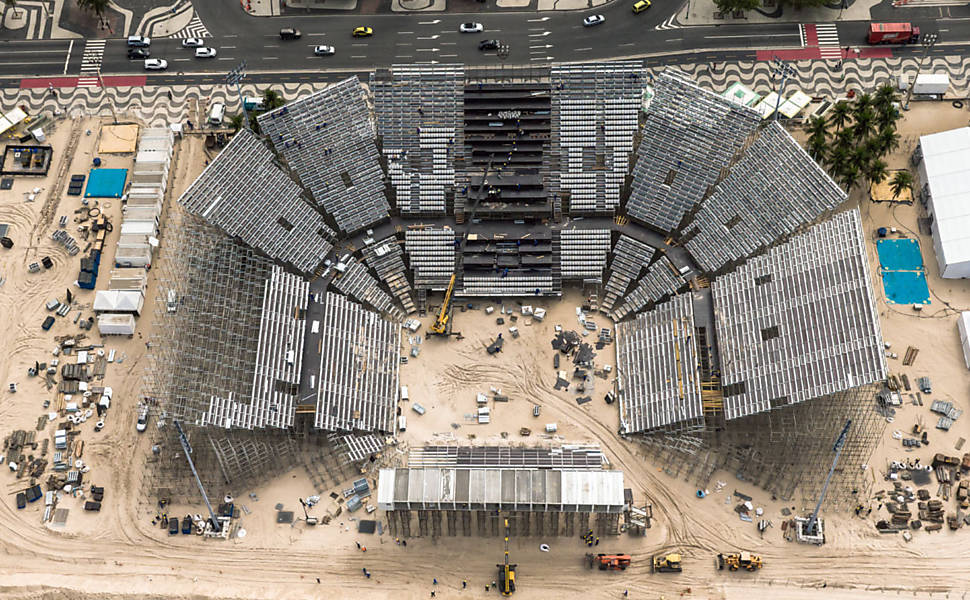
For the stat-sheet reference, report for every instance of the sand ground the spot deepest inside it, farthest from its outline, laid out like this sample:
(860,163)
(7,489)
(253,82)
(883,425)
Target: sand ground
(118,554)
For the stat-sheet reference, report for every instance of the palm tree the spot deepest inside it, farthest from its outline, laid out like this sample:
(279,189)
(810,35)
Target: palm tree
(902,180)
(848,177)
(96,6)
(272,99)
(864,123)
(236,121)
(846,137)
(860,158)
(817,148)
(885,97)
(837,159)
(888,140)
(817,127)
(863,102)
(876,171)
(840,114)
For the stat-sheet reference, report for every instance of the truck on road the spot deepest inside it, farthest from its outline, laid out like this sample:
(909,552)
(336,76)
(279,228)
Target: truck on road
(893,33)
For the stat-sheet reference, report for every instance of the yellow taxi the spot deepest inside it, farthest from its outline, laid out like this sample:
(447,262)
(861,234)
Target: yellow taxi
(641,6)
(363,32)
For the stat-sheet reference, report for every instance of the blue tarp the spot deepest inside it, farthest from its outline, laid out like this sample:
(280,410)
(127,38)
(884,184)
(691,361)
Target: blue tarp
(903,275)
(899,255)
(106,183)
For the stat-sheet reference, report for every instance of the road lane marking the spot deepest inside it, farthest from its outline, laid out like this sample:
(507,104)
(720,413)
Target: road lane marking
(68,59)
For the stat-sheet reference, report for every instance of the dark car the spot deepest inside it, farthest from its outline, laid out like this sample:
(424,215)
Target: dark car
(21,500)
(186,524)
(289,33)
(140,53)
(48,323)
(488,45)
(173,526)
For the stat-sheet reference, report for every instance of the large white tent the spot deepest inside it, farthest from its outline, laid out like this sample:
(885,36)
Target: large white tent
(944,171)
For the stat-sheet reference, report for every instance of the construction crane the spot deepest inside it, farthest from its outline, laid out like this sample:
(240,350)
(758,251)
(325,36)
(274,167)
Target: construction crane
(811,525)
(506,572)
(188,455)
(441,325)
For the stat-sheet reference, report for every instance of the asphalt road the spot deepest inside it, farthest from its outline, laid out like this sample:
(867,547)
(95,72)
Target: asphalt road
(533,38)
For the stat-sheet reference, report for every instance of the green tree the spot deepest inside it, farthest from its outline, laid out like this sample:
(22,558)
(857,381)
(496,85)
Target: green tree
(876,171)
(236,121)
(902,180)
(817,127)
(840,115)
(864,123)
(837,159)
(272,99)
(729,6)
(818,148)
(848,177)
(887,140)
(863,101)
(885,97)
(96,6)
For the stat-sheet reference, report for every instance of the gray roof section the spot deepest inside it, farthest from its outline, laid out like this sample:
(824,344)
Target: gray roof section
(327,138)
(799,322)
(536,490)
(245,193)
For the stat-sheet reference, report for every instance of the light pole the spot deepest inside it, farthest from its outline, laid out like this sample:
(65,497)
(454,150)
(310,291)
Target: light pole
(104,94)
(928,40)
(782,68)
(233,77)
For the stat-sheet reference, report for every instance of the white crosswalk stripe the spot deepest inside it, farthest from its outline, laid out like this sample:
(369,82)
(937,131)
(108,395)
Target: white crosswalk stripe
(828,41)
(195,29)
(91,63)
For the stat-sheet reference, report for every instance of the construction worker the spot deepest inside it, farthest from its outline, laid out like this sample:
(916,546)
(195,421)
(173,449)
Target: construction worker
(464,584)
(597,541)
(434,581)
(358,545)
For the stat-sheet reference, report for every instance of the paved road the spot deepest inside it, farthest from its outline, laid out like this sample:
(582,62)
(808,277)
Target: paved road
(533,38)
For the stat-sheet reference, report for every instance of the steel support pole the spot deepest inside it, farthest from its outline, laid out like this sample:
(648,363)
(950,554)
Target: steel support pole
(928,41)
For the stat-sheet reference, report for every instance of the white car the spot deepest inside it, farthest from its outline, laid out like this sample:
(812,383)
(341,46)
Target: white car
(155,64)
(205,52)
(192,43)
(323,50)
(471,28)
(593,20)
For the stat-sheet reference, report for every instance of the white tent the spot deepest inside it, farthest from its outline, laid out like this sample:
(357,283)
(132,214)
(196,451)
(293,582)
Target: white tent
(119,301)
(943,172)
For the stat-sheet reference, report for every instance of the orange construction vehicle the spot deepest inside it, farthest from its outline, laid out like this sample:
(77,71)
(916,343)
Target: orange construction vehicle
(609,562)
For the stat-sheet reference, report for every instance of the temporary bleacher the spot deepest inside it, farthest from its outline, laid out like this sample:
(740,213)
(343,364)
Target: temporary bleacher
(595,108)
(657,367)
(660,281)
(385,258)
(418,111)
(630,257)
(771,192)
(431,252)
(279,354)
(583,252)
(245,193)
(357,282)
(327,138)
(359,362)
(690,134)
(799,322)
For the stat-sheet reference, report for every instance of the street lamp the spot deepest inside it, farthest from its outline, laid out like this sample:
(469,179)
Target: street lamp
(233,77)
(780,67)
(927,40)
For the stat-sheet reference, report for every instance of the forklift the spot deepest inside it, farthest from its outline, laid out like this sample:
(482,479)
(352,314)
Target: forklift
(506,572)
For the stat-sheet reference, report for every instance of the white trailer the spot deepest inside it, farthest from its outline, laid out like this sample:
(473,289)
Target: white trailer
(116,325)
(129,227)
(134,256)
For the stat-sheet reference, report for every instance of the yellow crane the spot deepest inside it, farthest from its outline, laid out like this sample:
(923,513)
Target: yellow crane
(506,572)
(440,326)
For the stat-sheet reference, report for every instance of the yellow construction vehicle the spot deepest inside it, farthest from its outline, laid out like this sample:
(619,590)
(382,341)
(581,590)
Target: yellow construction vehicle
(739,560)
(506,572)
(441,325)
(666,564)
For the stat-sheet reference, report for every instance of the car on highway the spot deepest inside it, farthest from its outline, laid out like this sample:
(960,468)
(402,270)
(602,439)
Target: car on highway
(139,41)
(156,64)
(192,43)
(363,32)
(488,45)
(593,20)
(289,33)
(323,50)
(140,53)
(471,28)
(641,6)
(205,52)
